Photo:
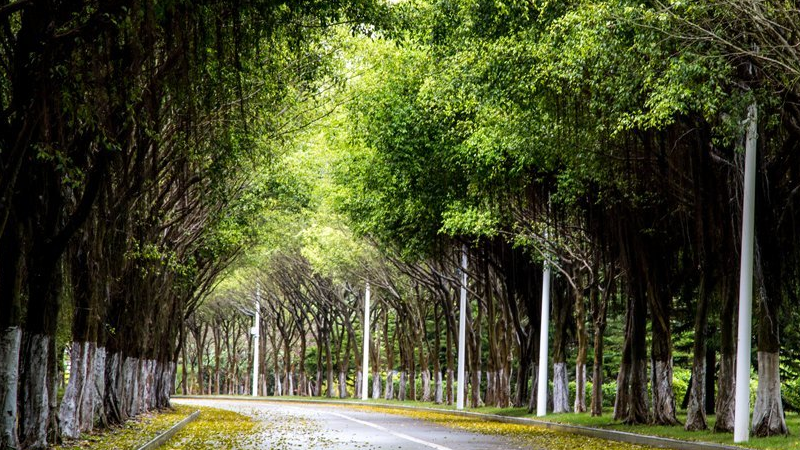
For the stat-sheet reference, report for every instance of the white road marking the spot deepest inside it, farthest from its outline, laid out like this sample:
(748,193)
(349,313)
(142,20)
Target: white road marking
(394,433)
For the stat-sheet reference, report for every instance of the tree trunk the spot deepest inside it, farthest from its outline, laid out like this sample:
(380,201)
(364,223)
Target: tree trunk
(631,404)
(768,418)
(727,368)
(342,384)
(580,358)
(10,342)
(69,412)
(562,312)
(695,411)
(401,391)
(599,313)
(389,384)
(534,392)
(639,404)
(622,397)
(358,382)
(664,411)
(376,385)
(11,337)
(560,388)
(426,385)
(99,411)
(580,388)
(34,392)
(437,392)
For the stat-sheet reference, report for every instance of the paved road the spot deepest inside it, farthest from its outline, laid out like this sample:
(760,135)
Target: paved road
(308,426)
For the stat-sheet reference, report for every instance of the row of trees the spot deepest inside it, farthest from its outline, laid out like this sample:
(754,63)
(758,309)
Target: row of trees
(130,133)
(604,137)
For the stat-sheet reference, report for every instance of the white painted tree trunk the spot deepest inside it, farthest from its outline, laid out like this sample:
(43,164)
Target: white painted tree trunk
(129,386)
(768,417)
(580,388)
(490,387)
(278,387)
(504,380)
(35,393)
(425,376)
(290,384)
(664,412)
(376,385)
(401,391)
(390,385)
(342,385)
(91,397)
(438,390)
(167,383)
(726,386)
(560,388)
(69,412)
(359,385)
(10,342)
(111,402)
(696,410)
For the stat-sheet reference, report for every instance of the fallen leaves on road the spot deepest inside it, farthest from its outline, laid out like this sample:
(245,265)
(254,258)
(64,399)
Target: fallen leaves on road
(527,435)
(253,429)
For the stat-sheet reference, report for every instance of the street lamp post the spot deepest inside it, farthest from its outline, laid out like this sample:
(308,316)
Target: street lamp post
(256,331)
(365,359)
(462,330)
(541,396)
(741,425)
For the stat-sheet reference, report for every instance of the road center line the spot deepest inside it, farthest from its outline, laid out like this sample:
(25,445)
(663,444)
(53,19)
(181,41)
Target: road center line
(394,433)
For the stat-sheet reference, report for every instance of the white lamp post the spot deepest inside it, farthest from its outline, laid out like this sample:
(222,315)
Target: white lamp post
(365,359)
(462,330)
(741,422)
(541,396)
(256,331)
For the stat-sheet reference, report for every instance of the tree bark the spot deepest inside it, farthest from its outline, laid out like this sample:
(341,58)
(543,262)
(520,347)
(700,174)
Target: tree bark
(390,384)
(599,313)
(580,358)
(664,411)
(560,388)
(401,389)
(10,342)
(11,337)
(768,417)
(69,412)
(727,368)
(562,312)
(34,393)
(631,405)
(696,413)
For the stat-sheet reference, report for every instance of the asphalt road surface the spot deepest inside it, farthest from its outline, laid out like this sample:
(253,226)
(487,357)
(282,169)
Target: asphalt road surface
(310,426)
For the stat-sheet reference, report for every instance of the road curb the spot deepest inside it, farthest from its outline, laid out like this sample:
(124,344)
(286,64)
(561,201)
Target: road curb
(611,435)
(162,438)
